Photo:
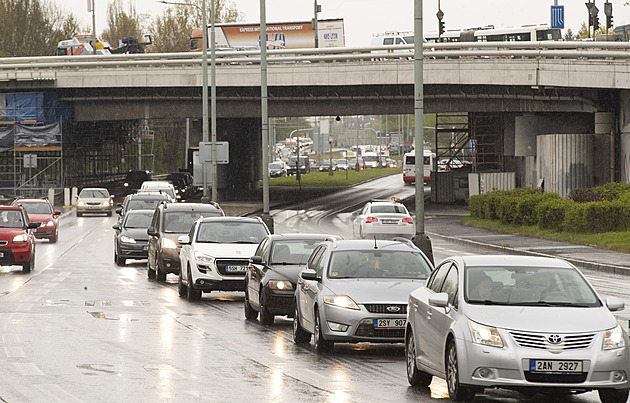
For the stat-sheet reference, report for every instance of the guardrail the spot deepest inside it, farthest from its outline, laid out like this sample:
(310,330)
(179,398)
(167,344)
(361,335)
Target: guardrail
(515,50)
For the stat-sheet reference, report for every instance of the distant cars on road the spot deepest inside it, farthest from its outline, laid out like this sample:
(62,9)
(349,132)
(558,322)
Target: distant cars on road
(277,169)
(94,200)
(516,322)
(383,219)
(42,213)
(356,291)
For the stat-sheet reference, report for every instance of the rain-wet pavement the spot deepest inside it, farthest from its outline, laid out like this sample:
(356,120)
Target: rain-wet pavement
(80,328)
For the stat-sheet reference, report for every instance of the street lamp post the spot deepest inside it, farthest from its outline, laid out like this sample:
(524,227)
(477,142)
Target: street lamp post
(265,115)
(204,92)
(330,168)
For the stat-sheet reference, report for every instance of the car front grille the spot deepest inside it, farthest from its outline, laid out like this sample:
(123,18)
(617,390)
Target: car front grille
(383,308)
(222,264)
(368,330)
(542,341)
(555,378)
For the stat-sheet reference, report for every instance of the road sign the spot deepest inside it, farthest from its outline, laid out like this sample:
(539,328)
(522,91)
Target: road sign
(557,17)
(30,160)
(205,152)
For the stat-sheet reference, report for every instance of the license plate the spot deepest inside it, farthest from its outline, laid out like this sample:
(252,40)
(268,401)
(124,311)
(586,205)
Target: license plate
(145,248)
(390,221)
(557,366)
(235,269)
(390,323)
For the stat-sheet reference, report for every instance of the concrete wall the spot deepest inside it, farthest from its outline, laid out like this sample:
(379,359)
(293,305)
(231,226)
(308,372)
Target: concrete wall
(565,161)
(624,137)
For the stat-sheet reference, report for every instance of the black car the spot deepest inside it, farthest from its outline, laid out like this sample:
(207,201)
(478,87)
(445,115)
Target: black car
(183,183)
(170,220)
(130,238)
(304,165)
(134,179)
(273,272)
(141,201)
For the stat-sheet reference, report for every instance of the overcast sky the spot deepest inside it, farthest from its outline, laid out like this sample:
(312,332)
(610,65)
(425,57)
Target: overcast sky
(362,18)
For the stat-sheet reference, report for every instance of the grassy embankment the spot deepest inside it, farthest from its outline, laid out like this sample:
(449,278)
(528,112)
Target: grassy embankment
(320,179)
(617,241)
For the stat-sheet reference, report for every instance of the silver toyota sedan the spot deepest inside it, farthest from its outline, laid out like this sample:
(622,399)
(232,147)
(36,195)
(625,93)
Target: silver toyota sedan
(530,324)
(356,291)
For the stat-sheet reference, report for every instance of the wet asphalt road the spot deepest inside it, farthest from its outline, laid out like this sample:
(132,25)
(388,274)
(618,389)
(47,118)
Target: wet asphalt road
(80,328)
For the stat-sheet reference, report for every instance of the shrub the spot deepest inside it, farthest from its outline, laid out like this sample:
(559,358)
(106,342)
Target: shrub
(585,195)
(476,204)
(614,190)
(551,212)
(575,218)
(527,206)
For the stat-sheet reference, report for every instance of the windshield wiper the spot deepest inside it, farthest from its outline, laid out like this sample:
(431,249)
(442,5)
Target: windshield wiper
(246,242)
(487,302)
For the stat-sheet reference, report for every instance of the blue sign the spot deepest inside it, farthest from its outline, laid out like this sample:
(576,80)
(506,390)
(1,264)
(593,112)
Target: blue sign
(557,17)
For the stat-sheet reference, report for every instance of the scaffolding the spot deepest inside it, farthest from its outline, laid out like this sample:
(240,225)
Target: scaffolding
(452,141)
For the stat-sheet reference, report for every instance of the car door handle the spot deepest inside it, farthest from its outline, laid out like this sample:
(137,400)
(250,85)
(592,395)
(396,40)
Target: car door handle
(429,313)
(415,307)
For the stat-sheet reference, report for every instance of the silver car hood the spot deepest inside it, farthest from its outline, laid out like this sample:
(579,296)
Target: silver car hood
(227,250)
(542,319)
(367,290)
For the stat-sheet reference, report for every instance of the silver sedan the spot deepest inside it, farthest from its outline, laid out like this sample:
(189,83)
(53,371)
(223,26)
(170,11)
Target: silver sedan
(356,291)
(530,324)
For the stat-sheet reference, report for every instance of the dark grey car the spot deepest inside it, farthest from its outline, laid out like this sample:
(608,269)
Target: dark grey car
(130,238)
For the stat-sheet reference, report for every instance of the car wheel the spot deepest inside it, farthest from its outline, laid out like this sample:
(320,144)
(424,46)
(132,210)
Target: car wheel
(150,272)
(54,238)
(192,294)
(160,276)
(266,318)
(456,391)
(250,313)
(182,290)
(300,336)
(414,375)
(120,261)
(109,214)
(321,345)
(361,234)
(28,266)
(613,395)
(79,214)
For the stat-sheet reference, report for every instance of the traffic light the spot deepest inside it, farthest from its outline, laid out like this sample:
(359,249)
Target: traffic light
(595,23)
(608,21)
(609,16)
(590,20)
(441,27)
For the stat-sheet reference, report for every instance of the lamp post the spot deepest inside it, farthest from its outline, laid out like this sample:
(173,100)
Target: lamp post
(266,217)
(330,168)
(204,92)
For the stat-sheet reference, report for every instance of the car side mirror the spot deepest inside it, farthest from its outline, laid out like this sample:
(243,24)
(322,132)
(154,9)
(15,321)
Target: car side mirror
(183,239)
(57,212)
(614,304)
(256,260)
(116,227)
(309,275)
(439,300)
(119,211)
(151,231)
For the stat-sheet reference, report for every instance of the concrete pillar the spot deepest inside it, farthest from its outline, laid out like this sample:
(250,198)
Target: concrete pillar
(623,154)
(75,194)
(66,197)
(604,123)
(51,196)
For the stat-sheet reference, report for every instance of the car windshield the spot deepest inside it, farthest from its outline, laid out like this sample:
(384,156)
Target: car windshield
(275,165)
(389,209)
(143,204)
(528,286)
(180,221)
(94,194)
(378,263)
(11,219)
(293,251)
(36,208)
(231,232)
(138,220)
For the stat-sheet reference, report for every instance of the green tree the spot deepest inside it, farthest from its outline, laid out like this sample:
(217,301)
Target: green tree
(569,35)
(172,29)
(33,28)
(121,23)
(583,32)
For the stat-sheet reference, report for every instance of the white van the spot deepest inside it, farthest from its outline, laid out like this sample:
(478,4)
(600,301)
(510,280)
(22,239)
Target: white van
(160,186)
(393,38)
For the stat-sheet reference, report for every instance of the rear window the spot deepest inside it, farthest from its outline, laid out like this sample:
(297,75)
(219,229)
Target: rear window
(181,221)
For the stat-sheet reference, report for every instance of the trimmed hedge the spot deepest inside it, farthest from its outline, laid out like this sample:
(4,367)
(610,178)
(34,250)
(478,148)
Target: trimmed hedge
(601,209)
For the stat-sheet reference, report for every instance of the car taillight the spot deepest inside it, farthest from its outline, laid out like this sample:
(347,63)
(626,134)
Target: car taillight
(371,219)
(408,220)
(404,172)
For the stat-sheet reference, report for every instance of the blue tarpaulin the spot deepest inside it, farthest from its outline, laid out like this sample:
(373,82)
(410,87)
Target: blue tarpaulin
(33,107)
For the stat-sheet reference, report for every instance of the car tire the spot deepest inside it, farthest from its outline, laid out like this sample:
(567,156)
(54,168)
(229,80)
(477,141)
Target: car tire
(266,318)
(54,238)
(79,214)
(28,266)
(250,313)
(300,336)
(456,391)
(182,290)
(321,344)
(150,272)
(414,375)
(160,276)
(120,261)
(109,214)
(613,395)
(191,292)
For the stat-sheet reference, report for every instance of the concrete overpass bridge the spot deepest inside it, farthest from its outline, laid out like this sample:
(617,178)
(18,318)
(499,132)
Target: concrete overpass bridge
(536,88)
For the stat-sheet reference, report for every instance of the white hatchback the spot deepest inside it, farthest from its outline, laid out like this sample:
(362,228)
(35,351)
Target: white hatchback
(383,219)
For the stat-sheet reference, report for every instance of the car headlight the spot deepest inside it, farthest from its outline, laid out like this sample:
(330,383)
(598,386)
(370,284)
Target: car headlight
(127,239)
(280,285)
(168,244)
(81,203)
(485,335)
(48,224)
(21,238)
(614,339)
(342,301)
(202,257)
(105,203)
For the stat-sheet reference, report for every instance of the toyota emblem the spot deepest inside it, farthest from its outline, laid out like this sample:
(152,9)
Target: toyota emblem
(554,339)
(393,308)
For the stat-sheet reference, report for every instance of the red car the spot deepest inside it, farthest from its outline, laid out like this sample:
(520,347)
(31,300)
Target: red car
(17,242)
(41,212)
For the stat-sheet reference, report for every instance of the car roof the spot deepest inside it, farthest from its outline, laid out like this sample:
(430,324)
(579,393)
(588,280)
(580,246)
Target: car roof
(11,208)
(232,219)
(190,207)
(149,195)
(95,189)
(512,261)
(31,201)
(298,236)
(368,244)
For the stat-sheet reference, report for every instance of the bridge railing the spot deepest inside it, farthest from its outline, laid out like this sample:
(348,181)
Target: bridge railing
(514,50)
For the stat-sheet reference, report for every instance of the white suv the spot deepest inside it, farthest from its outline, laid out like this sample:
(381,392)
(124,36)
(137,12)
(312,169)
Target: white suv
(215,254)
